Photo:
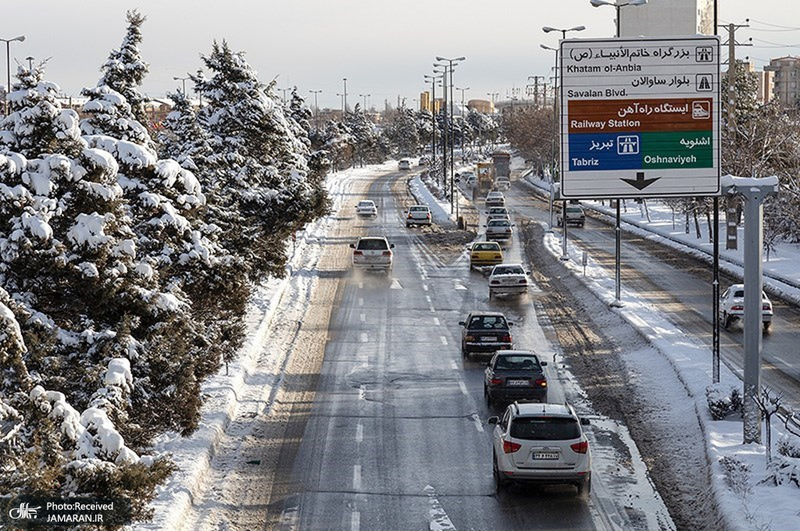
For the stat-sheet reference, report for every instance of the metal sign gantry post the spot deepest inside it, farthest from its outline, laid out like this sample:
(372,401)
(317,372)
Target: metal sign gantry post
(754,192)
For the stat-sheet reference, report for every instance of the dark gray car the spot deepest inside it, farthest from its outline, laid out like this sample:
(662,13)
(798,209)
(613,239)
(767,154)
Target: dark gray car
(515,375)
(485,332)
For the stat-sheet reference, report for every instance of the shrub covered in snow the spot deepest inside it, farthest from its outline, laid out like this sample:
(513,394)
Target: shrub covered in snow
(722,401)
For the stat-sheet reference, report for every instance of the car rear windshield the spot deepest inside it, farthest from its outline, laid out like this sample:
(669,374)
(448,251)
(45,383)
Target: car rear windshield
(419,209)
(488,322)
(545,428)
(486,247)
(499,223)
(372,245)
(517,362)
(508,270)
(366,203)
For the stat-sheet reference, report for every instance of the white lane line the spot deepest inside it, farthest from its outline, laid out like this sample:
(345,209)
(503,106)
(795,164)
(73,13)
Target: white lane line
(356,477)
(355,521)
(436,321)
(428,298)
(454,365)
(364,337)
(437,517)
(463,387)
(425,287)
(444,340)
(477,421)
(360,285)
(363,318)
(360,301)
(359,432)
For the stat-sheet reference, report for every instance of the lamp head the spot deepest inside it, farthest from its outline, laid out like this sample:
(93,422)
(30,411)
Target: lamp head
(577,28)
(20,38)
(598,3)
(548,29)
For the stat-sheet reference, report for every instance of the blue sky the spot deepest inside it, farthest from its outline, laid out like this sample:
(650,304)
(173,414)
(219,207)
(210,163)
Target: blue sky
(383,48)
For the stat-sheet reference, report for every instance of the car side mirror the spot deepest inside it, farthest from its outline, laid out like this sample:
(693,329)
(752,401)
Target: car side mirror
(493,420)
(391,246)
(484,225)
(462,323)
(584,421)
(513,224)
(543,363)
(510,324)
(352,246)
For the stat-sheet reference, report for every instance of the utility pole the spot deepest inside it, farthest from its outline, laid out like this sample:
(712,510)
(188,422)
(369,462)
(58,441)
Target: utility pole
(316,108)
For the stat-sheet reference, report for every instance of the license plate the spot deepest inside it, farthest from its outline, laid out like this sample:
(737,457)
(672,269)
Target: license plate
(545,455)
(517,382)
(488,338)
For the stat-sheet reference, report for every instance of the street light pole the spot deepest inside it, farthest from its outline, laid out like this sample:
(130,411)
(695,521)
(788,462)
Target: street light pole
(548,29)
(617,229)
(344,105)
(8,66)
(365,96)
(316,108)
(183,83)
(453,188)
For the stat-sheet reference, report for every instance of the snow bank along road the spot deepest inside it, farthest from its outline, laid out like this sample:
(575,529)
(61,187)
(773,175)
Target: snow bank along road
(387,429)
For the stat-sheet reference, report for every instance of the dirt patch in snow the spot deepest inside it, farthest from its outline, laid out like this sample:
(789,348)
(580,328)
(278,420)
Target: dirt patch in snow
(614,365)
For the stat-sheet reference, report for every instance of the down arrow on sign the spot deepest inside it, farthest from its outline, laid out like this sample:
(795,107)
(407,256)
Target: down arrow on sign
(640,182)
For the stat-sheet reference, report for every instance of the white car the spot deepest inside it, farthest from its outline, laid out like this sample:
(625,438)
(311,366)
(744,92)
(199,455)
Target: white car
(404,164)
(499,229)
(366,208)
(418,215)
(495,198)
(502,183)
(373,253)
(731,307)
(497,213)
(508,279)
(541,443)
(468,178)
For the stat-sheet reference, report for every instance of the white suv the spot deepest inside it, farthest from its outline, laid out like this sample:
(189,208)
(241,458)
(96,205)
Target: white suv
(541,443)
(373,253)
(418,215)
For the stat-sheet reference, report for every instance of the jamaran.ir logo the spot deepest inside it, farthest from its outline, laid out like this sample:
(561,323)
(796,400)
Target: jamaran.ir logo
(23,512)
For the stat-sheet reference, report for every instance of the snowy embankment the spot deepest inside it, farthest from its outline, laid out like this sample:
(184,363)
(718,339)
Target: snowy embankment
(746,503)
(223,393)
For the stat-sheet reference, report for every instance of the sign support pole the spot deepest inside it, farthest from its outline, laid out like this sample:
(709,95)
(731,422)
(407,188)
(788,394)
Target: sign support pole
(617,266)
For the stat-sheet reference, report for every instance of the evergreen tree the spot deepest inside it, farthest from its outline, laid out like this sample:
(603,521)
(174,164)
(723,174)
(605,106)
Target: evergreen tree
(125,69)
(257,178)
(403,133)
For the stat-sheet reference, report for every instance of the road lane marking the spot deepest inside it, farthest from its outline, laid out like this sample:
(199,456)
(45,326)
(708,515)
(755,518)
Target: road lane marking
(428,298)
(363,318)
(436,321)
(360,285)
(437,517)
(425,287)
(444,340)
(477,421)
(463,387)
(356,477)
(355,521)
(359,432)
(454,365)
(360,301)
(364,337)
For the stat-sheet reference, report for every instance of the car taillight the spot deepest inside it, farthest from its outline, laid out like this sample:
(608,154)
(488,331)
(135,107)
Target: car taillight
(495,381)
(470,338)
(495,282)
(357,253)
(428,215)
(506,338)
(387,253)
(580,447)
(409,215)
(737,308)
(523,281)
(510,447)
(498,257)
(508,230)
(541,382)
(766,307)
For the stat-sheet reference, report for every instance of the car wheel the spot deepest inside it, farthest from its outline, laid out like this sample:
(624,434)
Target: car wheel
(726,321)
(767,325)
(500,483)
(490,294)
(585,487)
(464,351)
(488,396)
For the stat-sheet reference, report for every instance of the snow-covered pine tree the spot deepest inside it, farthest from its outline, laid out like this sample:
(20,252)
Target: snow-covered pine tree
(125,69)
(36,123)
(257,180)
(403,132)
(182,139)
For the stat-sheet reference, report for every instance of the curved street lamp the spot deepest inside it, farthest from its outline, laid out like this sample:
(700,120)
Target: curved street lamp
(617,6)
(548,29)
(8,66)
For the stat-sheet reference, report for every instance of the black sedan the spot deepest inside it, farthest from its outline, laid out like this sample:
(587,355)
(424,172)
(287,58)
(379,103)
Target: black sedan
(485,332)
(515,375)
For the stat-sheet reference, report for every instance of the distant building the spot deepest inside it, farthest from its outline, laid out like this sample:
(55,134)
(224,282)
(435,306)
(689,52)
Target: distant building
(784,83)
(481,106)
(667,18)
(427,104)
